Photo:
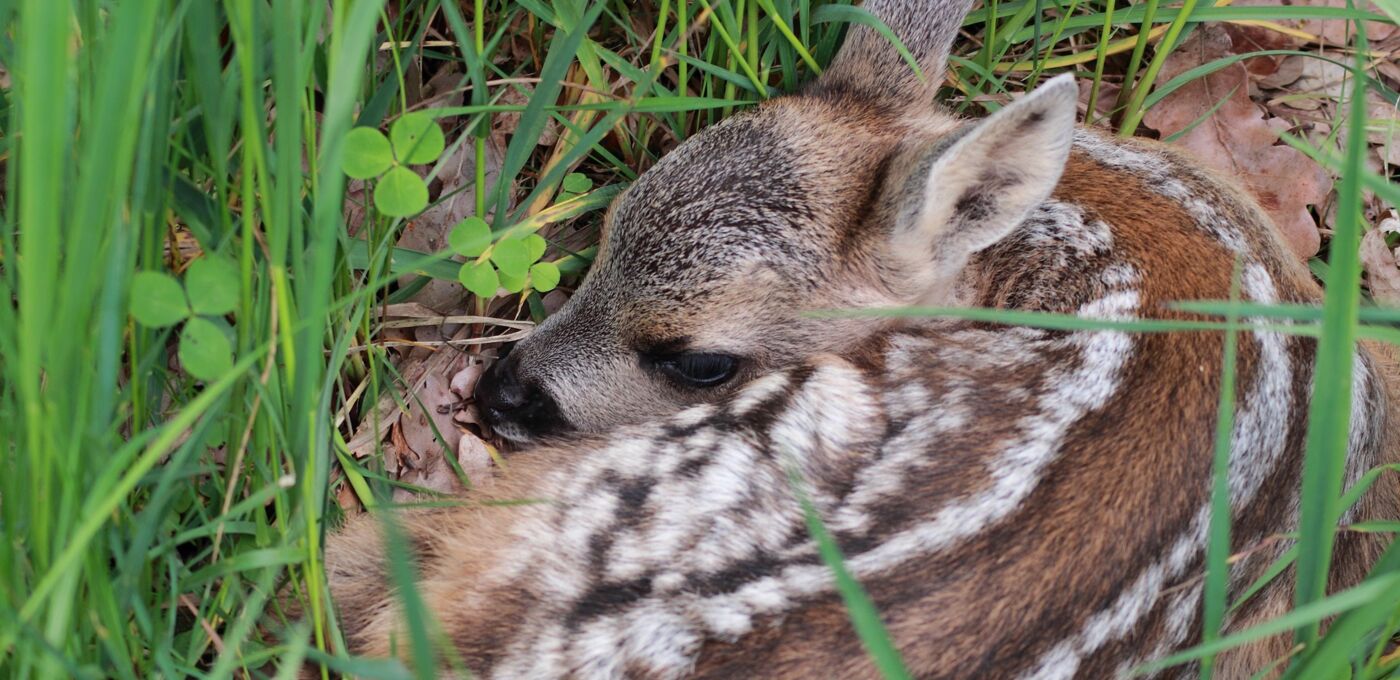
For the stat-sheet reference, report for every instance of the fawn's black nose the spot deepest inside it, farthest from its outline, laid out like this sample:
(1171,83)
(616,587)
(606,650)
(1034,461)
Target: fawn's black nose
(514,408)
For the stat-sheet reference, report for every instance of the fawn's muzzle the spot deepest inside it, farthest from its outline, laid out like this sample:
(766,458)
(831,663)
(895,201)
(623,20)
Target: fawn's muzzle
(516,409)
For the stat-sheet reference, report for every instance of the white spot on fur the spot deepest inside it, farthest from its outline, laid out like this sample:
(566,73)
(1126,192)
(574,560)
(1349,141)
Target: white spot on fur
(1014,474)
(693,415)
(1119,275)
(1018,470)
(1056,224)
(1261,421)
(1258,441)
(1163,177)
(757,392)
(903,453)
(1367,419)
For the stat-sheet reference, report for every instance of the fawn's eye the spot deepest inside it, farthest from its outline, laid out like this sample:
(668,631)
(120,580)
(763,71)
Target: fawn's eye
(698,369)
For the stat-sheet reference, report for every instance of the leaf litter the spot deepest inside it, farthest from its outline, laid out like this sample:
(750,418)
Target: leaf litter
(419,422)
(1216,121)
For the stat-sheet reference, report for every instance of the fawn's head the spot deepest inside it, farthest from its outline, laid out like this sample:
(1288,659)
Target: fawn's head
(857,192)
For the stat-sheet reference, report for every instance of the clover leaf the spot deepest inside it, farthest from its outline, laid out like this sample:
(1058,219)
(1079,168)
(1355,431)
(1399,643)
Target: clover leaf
(157,300)
(212,282)
(205,351)
(417,138)
(512,283)
(367,153)
(471,237)
(479,278)
(544,276)
(400,193)
(210,288)
(511,256)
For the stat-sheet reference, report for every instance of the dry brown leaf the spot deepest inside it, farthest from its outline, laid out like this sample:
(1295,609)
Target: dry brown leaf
(1382,271)
(464,381)
(1322,87)
(356,201)
(1103,106)
(345,497)
(443,362)
(1238,140)
(505,123)
(415,454)
(406,310)
(1339,31)
(472,455)
(1389,68)
(1383,127)
(398,446)
(430,406)
(1286,73)
(373,429)
(1319,83)
(1336,32)
(475,459)
(1249,38)
(444,88)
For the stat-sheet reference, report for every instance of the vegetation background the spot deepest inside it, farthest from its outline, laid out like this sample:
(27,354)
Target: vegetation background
(213,343)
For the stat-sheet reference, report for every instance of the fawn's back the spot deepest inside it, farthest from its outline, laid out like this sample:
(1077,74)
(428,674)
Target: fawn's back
(1017,502)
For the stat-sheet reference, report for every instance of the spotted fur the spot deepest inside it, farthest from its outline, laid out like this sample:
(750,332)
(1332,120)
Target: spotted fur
(1017,502)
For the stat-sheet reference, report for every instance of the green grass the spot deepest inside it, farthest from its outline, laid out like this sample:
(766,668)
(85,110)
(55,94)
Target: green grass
(150,519)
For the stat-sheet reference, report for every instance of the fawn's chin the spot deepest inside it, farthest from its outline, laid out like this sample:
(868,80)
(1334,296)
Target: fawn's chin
(510,436)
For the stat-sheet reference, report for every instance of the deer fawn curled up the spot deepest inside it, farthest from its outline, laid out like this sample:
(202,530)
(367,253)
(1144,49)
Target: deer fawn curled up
(1017,502)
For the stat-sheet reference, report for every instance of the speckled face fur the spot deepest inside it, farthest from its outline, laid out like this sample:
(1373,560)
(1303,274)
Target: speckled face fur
(721,248)
(718,249)
(1018,503)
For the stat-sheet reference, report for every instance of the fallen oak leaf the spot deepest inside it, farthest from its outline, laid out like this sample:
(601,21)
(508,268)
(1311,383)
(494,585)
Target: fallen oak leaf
(373,429)
(464,381)
(474,457)
(1382,271)
(1335,32)
(428,427)
(1232,135)
(1103,104)
(1339,31)
(416,372)
(345,497)
(1255,38)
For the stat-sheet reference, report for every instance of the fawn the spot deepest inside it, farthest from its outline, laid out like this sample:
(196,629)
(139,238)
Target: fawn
(1017,502)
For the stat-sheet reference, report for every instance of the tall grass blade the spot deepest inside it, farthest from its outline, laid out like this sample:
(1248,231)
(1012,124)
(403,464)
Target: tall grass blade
(1329,414)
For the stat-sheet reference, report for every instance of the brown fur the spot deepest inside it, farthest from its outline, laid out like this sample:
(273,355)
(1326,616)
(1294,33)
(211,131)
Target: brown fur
(851,195)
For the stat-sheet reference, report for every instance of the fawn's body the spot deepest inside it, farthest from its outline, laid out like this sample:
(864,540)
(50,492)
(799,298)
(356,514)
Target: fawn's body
(1017,502)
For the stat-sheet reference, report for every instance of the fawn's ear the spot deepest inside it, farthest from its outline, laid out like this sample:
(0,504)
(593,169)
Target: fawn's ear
(960,197)
(869,64)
